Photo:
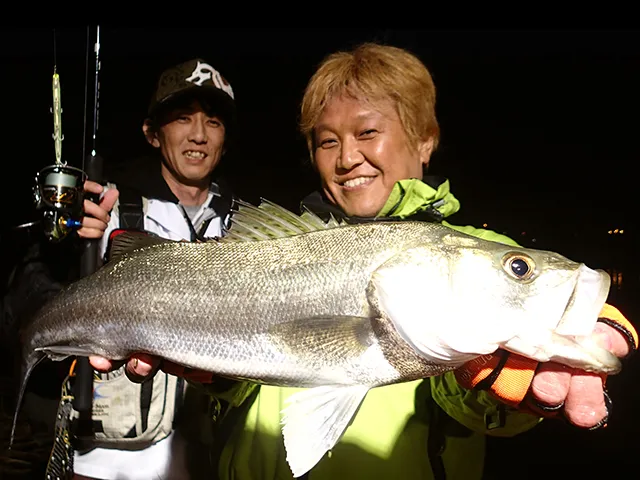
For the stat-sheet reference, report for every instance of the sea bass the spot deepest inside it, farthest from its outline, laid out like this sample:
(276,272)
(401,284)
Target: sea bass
(288,300)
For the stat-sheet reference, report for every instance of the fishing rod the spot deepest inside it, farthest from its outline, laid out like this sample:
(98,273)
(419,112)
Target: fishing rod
(59,194)
(78,395)
(83,387)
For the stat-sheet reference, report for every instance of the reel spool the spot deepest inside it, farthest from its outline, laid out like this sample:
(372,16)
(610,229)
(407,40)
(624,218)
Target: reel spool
(58,193)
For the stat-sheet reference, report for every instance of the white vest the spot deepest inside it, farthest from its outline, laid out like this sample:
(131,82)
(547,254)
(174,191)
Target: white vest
(166,219)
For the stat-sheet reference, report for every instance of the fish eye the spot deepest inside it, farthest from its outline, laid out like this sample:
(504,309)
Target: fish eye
(520,267)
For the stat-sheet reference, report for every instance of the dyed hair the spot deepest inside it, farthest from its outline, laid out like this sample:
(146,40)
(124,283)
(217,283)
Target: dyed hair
(374,73)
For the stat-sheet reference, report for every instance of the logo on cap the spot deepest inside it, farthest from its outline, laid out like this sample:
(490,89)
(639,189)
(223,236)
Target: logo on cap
(204,72)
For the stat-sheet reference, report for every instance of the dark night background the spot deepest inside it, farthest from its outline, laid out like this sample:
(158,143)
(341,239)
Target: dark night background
(539,140)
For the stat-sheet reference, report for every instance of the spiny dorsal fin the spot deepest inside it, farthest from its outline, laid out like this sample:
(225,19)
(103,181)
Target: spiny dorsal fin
(313,218)
(129,241)
(269,220)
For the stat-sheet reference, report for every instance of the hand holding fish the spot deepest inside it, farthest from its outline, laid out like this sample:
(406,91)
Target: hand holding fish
(97,216)
(556,390)
(581,393)
(140,366)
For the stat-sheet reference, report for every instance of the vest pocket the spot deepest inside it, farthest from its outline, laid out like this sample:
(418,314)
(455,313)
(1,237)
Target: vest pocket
(132,415)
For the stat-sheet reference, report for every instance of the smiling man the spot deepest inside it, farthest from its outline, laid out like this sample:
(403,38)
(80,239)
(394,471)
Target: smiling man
(189,123)
(157,429)
(357,154)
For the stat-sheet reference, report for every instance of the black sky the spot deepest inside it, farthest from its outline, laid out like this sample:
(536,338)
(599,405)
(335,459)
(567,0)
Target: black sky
(538,127)
(539,134)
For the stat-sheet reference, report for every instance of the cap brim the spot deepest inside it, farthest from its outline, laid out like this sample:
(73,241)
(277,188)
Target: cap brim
(219,100)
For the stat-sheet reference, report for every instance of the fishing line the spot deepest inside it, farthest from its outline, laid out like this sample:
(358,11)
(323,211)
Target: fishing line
(86,88)
(55,62)
(96,91)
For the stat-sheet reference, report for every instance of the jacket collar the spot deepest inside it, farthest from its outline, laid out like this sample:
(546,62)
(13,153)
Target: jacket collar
(427,199)
(164,214)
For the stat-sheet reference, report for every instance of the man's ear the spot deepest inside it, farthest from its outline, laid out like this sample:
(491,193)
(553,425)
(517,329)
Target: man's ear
(425,149)
(150,133)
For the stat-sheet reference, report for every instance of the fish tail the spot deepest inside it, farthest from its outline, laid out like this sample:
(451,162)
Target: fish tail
(29,364)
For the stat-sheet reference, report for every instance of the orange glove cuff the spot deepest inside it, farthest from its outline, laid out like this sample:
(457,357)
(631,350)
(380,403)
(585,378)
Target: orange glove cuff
(506,376)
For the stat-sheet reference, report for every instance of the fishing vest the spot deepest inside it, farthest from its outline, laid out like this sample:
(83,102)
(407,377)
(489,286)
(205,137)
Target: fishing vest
(127,415)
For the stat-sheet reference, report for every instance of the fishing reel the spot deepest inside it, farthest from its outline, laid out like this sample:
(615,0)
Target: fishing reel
(58,194)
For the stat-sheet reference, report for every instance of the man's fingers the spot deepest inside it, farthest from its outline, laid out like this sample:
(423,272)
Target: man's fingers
(93,187)
(109,199)
(611,339)
(581,393)
(90,232)
(550,385)
(140,366)
(96,211)
(93,223)
(97,217)
(100,363)
(585,405)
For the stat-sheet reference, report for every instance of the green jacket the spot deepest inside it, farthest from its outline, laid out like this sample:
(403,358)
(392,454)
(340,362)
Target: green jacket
(400,429)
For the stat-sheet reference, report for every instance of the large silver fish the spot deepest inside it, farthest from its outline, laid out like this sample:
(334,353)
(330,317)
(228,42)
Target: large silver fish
(287,300)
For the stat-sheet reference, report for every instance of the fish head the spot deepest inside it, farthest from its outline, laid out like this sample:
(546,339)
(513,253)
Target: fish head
(465,296)
(526,289)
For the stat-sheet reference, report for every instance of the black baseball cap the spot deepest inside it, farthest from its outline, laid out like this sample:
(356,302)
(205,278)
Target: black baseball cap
(194,78)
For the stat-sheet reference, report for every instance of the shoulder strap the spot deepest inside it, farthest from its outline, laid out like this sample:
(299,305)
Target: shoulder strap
(222,203)
(132,218)
(130,207)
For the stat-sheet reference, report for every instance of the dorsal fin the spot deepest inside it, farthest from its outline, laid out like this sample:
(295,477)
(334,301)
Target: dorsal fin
(269,220)
(128,241)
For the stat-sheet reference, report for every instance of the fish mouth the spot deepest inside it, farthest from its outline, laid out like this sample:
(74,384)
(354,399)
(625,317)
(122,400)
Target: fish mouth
(586,301)
(572,342)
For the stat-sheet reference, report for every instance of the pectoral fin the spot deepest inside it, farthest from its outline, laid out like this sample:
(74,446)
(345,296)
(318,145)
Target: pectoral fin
(324,338)
(314,421)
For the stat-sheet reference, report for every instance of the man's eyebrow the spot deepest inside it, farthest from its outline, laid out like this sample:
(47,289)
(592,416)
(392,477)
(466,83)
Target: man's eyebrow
(360,116)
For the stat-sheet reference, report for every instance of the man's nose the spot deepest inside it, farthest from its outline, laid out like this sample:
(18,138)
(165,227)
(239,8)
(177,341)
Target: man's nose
(198,132)
(350,155)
